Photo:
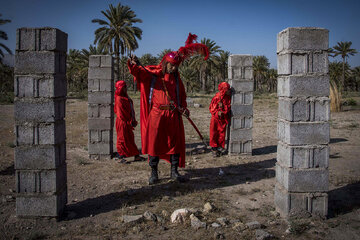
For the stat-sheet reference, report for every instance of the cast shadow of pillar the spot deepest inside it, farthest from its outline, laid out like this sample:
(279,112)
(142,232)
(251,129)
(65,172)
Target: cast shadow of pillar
(344,199)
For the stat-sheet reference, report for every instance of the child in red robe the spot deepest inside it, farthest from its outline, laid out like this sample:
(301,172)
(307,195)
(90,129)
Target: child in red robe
(220,107)
(125,123)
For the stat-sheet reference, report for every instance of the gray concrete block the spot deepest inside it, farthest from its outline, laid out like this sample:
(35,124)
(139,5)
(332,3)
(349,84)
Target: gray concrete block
(40,156)
(100,97)
(242,98)
(41,205)
(40,86)
(100,124)
(301,133)
(41,181)
(303,180)
(288,203)
(302,63)
(100,157)
(104,85)
(44,133)
(45,62)
(240,73)
(308,156)
(240,147)
(303,86)
(242,86)
(236,60)
(100,136)
(94,60)
(100,148)
(304,109)
(101,61)
(303,38)
(39,110)
(241,110)
(241,122)
(242,135)
(100,111)
(41,39)
(100,73)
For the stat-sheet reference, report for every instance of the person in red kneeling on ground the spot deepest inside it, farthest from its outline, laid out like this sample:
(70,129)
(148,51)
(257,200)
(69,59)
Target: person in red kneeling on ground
(125,123)
(220,107)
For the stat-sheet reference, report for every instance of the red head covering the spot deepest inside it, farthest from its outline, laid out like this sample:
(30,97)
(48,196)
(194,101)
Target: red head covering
(190,48)
(119,85)
(223,87)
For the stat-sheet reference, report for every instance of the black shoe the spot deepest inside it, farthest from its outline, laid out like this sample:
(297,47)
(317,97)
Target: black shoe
(153,163)
(174,174)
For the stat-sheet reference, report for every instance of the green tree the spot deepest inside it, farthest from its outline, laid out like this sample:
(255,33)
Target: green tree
(163,53)
(223,64)
(148,59)
(3,36)
(356,77)
(344,50)
(204,67)
(260,68)
(189,77)
(118,33)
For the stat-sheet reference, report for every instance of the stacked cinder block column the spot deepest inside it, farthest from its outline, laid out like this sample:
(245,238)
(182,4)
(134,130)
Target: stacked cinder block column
(100,106)
(40,95)
(303,121)
(240,75)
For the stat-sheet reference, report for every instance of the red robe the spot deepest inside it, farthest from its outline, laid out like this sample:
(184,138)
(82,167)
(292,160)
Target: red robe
(125,116)
(162,131)
(218,124)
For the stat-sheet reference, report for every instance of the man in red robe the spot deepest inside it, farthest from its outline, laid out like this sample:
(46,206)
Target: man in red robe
(125,123)
(220,107)
(162,103)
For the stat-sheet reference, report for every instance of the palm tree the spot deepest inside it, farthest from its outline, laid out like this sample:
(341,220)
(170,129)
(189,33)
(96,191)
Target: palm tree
(3,36)
(223,64)
(148,59)
(163,53)
(118,34)
(335,73)
(203,66)
(189,77)
(344,49)
(356,77)
(260,67)
(271,77)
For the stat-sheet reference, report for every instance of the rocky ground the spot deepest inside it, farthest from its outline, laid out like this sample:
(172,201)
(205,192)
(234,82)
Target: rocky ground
(108,200)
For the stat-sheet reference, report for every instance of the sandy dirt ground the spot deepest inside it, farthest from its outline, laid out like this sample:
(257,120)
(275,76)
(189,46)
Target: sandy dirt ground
(101,192)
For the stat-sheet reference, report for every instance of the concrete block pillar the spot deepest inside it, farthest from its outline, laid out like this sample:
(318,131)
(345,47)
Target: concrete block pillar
(241,80)
(40,95)
(302,175)
(100,106)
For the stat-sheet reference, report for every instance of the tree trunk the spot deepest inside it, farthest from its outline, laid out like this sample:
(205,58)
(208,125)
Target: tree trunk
(343,76)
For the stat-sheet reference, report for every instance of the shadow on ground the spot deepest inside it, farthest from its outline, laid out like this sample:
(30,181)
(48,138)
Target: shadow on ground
(337,140)
(265,150)
(344,199)
(8,171)
(199,180)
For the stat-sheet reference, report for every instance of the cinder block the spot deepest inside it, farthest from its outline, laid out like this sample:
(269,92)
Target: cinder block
(242,86)
(101,148)
(100,97)
(95,85)
(41,205)
(303,180)
(242,135)
(241,122)
(308,156)
(301,133)
(40,181)
(34,134)
(241,110)
(236,60)
(40,156)
(304,109)
(106,61)
(303,38)
(303,86)
(45,62)
(242,98)
(302,63)
(100,73)
(240,73)
(39,110)
(100,136)
(239,147)
(94,60)
(40,86)
(99,111)
(100,157)
(41,39)
(287,203)
(100,124)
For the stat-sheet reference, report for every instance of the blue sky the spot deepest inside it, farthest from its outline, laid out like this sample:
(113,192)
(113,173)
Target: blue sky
(241,27)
